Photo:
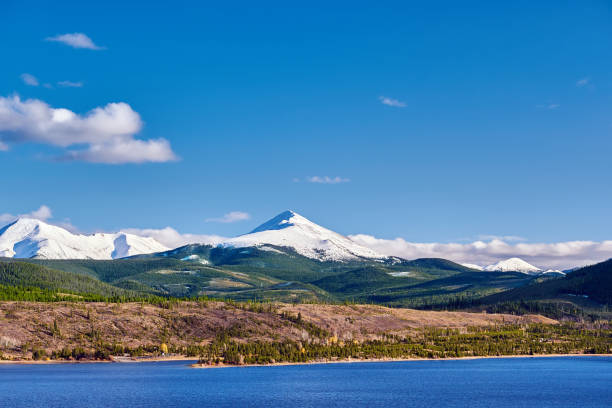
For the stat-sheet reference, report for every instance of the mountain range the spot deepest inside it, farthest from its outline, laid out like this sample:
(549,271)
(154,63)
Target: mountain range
(287,259)
(32,238)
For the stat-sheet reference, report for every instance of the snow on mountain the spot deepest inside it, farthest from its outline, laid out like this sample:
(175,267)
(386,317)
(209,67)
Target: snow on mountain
(32,238)
(290,229)
(554,272)
(473,266)
(513,265)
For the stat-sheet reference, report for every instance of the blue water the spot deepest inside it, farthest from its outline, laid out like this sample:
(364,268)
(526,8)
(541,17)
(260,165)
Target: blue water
(530,382)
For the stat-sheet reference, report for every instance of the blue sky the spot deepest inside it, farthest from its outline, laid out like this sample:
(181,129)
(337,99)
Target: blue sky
(503,126)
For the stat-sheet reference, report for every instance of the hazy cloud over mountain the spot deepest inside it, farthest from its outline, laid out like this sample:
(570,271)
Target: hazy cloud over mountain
(559,255)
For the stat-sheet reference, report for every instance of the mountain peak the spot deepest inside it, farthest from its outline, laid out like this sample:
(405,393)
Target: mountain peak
(285,219)
(26,225)
(290,229)
(24,221)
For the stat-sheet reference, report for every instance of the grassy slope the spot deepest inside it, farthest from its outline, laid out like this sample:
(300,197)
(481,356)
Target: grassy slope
(374,285)
(160,276)
(444,291)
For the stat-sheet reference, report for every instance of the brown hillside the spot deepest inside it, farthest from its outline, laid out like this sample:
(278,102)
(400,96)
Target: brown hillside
(25,326)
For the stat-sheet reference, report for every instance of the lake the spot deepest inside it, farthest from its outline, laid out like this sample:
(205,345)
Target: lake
(515,382)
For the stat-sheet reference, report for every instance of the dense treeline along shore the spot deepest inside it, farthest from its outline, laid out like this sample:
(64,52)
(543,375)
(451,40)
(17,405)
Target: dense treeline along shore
(217,332)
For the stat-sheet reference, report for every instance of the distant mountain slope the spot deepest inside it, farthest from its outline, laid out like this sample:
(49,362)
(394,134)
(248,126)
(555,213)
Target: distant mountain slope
(453,290)
(278,262)
(374,285)
(435,264)
(287,264)
(290,229)
(591,282)
(169,276)
(32,238)
(285,275)
(355,282)
(255,273)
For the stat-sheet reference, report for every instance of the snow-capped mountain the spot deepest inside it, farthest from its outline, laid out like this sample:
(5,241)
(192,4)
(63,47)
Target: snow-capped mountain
(32,238)
(290,229)
(513,265)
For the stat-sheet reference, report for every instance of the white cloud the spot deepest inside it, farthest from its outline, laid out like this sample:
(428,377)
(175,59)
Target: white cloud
(327,180)
(75,40)
(29,79)
(107,133)
(124,151)
(233,216)
(70,84)
(559,255)
(583,82)
(391,102)
(43,213)
(172,238)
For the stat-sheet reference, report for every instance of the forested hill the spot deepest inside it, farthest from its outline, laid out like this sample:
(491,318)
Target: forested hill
(27,275)
(593,283)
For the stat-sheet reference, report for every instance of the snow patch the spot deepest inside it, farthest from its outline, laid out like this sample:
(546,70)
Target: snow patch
(270,249)
(196,258)
(400,274)
(554,272)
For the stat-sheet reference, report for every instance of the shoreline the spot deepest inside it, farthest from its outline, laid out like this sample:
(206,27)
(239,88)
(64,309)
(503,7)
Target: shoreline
(343,361)
(114,359)
(396,360)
